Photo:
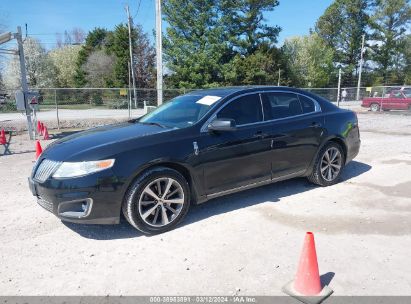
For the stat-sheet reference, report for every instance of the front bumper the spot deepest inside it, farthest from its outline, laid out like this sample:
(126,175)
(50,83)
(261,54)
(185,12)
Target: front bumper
(91,199)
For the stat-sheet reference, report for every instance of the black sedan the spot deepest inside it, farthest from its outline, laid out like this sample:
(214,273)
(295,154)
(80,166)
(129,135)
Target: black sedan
(195,147)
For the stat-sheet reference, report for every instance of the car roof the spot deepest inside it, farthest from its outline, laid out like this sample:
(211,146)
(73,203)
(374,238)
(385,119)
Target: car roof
(226,91)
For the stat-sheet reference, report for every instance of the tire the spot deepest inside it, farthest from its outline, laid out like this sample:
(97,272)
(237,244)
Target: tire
(166,211)
(319,175)
(374,107)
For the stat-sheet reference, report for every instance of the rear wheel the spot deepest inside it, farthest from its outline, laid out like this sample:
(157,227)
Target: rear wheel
(328,166)
(375,107)
(157,201)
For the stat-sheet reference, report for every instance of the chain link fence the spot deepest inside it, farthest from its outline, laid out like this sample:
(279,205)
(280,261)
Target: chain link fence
(88,107)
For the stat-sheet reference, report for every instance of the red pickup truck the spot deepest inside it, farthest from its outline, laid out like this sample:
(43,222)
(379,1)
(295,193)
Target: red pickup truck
(396,100)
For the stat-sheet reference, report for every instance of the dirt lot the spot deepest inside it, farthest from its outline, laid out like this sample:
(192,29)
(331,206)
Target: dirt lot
(247,244)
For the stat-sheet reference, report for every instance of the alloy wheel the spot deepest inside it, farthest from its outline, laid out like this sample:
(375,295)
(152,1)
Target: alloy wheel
(161,202)
(331,164)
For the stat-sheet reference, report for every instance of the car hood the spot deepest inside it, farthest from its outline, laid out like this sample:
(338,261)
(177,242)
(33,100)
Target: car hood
(107,140)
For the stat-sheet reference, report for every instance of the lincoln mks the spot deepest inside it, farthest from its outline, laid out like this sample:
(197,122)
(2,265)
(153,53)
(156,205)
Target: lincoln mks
(195,147)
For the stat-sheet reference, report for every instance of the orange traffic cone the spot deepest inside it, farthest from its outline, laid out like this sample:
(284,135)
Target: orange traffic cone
(3,137)
(38,126)
(46,134)
(39,150)
(41,128)
(307,285)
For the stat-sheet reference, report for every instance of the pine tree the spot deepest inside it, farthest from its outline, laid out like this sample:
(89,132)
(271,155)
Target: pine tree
(341,27)
(245,23)
(389,24)
(195,45)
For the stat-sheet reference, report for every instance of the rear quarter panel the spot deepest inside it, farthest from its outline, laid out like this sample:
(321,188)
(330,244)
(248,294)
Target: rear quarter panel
(343,125)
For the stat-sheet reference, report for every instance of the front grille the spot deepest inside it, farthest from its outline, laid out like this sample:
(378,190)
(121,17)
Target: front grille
(45,204)
(44,170)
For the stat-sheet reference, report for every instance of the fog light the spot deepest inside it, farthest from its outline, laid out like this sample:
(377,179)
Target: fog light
(75,209)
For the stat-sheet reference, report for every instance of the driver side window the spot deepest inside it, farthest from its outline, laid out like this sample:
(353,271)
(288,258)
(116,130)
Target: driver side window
(397,95)
(244,110)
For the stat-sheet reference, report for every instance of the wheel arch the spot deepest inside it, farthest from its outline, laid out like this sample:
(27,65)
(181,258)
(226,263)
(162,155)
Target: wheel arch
(183,170)
(341,142)
(333,138)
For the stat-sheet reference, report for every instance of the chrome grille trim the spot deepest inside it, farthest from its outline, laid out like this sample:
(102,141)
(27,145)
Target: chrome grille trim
(45,169)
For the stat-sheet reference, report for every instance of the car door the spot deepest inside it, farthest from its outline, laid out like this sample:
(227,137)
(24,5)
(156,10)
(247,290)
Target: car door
(295,131)
(391,102)
(232,159)
(400,101)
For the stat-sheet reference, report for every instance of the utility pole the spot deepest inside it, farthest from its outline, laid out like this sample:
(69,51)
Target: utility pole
(339,88)
(129,90)
(360,70)
(159,54)
(24,85)
(130,21)
(279,77)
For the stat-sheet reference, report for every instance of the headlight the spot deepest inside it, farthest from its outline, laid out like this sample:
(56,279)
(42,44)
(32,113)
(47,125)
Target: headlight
(68,169)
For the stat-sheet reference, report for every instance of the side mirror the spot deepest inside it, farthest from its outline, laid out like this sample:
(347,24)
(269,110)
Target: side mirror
(223,124)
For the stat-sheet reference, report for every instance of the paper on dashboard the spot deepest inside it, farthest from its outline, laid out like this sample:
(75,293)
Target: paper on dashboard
(208,100)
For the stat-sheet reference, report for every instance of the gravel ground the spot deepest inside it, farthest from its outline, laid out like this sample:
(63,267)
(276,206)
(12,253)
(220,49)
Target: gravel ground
(246,244)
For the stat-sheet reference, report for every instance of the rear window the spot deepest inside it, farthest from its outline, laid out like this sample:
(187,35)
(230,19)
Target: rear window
(283,105)
(307,104)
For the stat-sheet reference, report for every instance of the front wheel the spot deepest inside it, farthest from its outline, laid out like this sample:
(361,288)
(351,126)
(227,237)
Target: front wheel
(157,201)
(328,166)
(375,107)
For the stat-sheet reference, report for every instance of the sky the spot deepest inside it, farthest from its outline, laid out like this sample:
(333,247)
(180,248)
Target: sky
(45,18)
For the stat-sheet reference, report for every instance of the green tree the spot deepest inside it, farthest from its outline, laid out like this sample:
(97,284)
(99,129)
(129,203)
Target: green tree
(341,27)
(118,45)
(143,56)
(389,24)
(94,41)
(245,23)
(407,54)
(195,44)
(309,61)
(259,68)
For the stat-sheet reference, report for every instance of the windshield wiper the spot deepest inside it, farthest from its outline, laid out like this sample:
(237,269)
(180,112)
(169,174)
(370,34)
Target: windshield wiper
(153,124)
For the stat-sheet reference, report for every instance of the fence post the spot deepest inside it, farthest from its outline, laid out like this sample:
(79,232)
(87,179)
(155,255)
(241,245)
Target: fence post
(339,87)
(57,109)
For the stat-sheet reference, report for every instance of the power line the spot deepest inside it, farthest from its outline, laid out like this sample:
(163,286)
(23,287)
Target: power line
(138,8)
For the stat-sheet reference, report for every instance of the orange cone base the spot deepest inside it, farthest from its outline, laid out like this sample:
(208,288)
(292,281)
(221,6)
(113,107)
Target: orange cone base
(324,294)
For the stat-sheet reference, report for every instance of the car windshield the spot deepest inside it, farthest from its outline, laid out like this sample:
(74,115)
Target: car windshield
(180,112)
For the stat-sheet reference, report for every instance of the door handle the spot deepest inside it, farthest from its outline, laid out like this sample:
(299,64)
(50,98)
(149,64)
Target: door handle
(315,124)
(260,134)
